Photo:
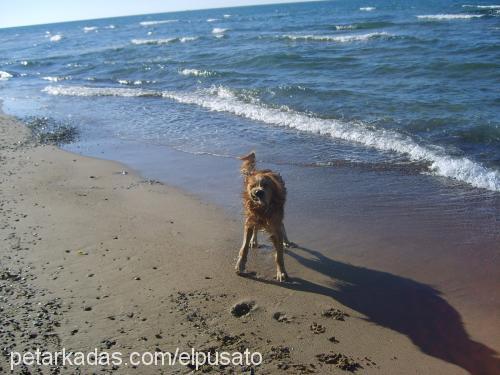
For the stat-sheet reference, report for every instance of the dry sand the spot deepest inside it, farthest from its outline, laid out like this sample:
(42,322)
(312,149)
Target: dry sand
(92,257)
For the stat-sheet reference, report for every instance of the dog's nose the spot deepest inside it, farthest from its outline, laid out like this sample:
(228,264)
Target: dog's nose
(259,194)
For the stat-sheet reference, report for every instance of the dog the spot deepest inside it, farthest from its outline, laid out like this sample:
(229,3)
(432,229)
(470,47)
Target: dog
(264,196)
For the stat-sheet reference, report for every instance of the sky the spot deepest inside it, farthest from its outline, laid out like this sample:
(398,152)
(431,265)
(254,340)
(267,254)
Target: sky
(33,12)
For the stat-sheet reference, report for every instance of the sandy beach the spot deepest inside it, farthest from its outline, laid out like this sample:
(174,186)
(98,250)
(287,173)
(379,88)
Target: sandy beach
(95,256)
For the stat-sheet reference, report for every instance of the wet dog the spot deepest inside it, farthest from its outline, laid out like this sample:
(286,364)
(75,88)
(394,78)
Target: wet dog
(264,196)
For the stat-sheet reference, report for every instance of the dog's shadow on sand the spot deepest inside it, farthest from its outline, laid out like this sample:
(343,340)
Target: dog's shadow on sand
(403,305)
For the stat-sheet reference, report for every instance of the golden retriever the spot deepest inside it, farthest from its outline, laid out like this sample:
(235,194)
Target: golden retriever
(264,196)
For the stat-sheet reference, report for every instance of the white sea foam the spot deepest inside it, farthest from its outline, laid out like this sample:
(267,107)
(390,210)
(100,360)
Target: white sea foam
(98,91)
(446,17)
(481,6)
(221,99)
(153,41)
(151,23)
(185,39)
(212,19)
(88,29)
(196,73)
(227,15)
(56,38)
(5,75)
(218,30)
(367,9)
(110,27)
(339,38)
(54,79)
(344,27)
(130,82)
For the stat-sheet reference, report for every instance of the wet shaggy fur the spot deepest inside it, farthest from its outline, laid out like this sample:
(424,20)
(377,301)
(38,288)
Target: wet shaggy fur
(264,196)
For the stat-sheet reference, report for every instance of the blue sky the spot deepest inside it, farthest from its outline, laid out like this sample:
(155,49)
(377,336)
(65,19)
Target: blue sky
(32,12)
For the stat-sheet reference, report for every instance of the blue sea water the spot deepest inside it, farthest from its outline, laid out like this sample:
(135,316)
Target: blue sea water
(401,85)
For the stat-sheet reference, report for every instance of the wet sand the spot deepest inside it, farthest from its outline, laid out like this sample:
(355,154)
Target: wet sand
(95,256)
(434,231)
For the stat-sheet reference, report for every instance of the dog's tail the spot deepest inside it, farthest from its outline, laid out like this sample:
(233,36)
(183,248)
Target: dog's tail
(248,165)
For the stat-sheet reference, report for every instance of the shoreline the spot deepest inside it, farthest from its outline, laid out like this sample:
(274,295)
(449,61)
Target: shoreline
(139,266)
(414,226)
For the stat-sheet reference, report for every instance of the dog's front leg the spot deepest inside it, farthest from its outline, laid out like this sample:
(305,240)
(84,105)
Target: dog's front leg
(277,239)
(242,256)
(254,242)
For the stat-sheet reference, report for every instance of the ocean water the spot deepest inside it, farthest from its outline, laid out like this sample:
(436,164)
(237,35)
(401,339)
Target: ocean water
(380,84)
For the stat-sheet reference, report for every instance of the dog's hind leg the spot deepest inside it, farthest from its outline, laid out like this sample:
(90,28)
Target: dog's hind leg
(254,243)
(242,256)
(277,239)
(286,241)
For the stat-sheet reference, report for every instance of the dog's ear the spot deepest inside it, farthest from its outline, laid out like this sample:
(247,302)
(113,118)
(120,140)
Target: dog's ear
(248,165)
(249,157)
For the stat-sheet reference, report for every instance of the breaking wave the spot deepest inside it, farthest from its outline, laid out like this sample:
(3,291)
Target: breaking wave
(338,38)
(447,17)
(56,38)
(5,75)
(196,73)
(218,30)
(222,99)
(163,41)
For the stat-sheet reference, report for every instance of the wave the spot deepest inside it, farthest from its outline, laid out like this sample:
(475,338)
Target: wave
(218,30)
(185,39)
(163,41)
(88,29)
(345,27)
(226,15)
(363,25)
(339,38)
(99,91)
(151,23)
(445,17)
(137,82)
(481,6)
(367,9)
(196,73)
(110,27)
(152,41)
(5,75)
(222,99)
(55,79)
(212,19)
(56,38)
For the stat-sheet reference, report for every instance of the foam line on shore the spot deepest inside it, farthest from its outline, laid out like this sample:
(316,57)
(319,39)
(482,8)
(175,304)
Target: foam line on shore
(222,99)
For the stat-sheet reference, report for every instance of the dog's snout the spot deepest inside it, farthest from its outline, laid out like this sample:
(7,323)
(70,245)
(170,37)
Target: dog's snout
(259,194)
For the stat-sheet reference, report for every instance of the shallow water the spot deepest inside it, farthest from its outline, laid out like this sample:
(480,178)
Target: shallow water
(385,84)
(384,122)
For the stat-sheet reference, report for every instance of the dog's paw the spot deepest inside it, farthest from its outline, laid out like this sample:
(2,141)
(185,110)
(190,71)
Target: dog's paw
(289,244)
(240,267)
(281,276)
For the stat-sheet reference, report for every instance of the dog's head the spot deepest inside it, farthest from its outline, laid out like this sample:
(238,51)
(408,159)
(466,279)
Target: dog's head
(263,188)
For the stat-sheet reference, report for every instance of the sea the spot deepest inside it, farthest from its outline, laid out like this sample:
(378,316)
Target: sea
(382,116)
